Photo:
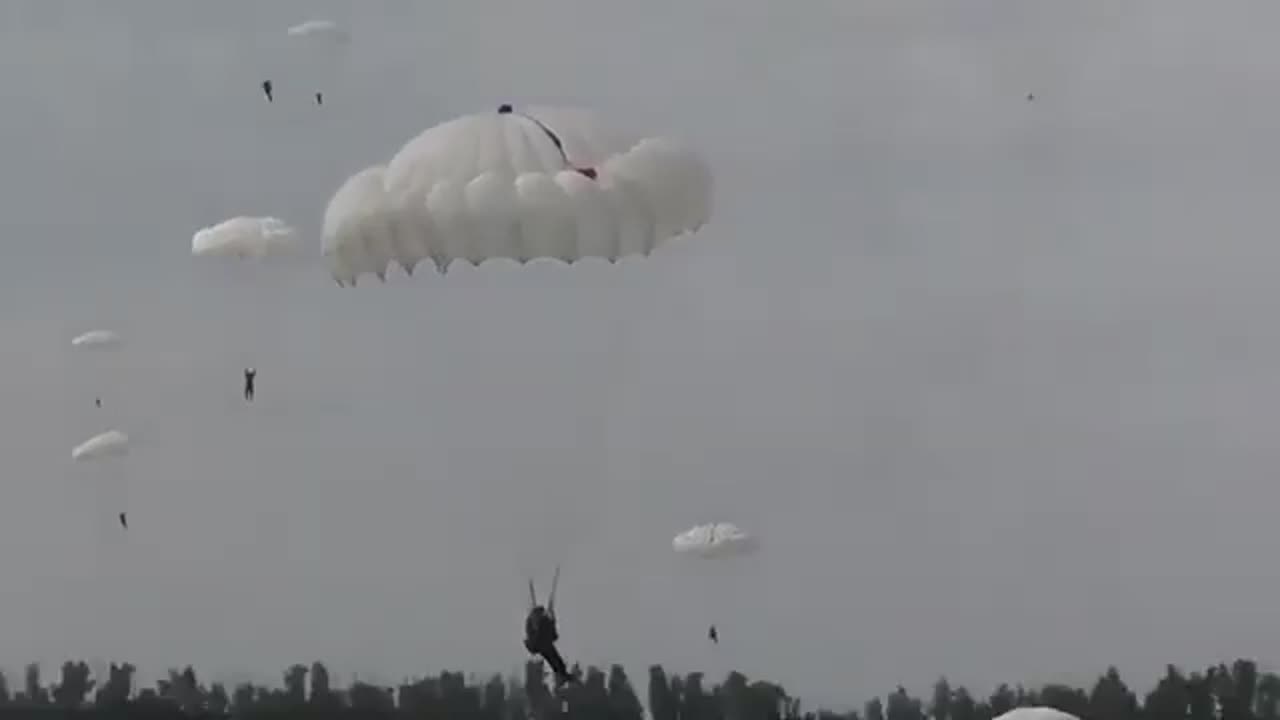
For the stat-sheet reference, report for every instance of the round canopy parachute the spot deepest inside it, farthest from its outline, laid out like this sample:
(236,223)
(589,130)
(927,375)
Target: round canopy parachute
(97,340)
(112,443)
(521,185)
(714,540)
(246,237)
(1036,713)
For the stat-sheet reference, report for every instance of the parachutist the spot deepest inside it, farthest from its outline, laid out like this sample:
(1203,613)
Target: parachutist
(713,635)
(124,521)
(1030,97)
(541,634)
(97,401)
(266,90)
(249,375)
(319,98)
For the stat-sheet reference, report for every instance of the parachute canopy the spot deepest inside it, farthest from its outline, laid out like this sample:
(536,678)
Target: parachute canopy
(1036,713)
(320,30)
(246,237)
(539,183)
(97,339)
(112,443)
(714,540)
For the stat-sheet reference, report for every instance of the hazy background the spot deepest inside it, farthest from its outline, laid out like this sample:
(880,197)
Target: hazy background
(995,380)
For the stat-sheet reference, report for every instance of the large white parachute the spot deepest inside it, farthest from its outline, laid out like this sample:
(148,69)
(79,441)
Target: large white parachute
(97,340)
(537,183)
(714,540)
(246,237)
(110,444)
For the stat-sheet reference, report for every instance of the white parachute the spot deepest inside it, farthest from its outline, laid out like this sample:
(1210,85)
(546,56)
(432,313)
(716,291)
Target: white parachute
(248,256)
(246,238)
(715,540)
(97,340)
(99,374)
(722,567)
(318,49)
(539,183)
(110,444)
(320,30)
(106,452)
(1036,713)
(520,185)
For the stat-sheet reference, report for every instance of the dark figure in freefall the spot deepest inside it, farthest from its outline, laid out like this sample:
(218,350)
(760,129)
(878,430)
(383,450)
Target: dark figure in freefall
(124,521)
(249,375)
(715,636)
(97,401)
(266,90)
(319,98)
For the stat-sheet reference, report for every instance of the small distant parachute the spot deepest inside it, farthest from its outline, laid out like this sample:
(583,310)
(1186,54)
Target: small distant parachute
(320,48)
(321,30)
(112,485)
(110,444)
(542,182)
(97,340)
(715,540)
(721,567)
(1036,713)
(248,255)
(246,237)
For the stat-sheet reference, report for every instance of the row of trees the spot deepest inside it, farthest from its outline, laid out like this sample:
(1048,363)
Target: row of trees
(1221,692)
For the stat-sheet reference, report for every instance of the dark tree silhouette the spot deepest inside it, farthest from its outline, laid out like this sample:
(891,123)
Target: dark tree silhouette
(1235,691)
(73,689)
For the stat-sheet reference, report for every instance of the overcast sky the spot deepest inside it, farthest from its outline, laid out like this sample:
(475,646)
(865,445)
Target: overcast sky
(994,380)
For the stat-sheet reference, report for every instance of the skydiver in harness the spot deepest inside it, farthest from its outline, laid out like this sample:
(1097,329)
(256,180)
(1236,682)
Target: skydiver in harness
(249,376)
(266,90)
(540,633)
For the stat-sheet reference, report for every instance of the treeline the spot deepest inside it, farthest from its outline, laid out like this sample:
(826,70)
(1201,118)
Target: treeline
(1222,692)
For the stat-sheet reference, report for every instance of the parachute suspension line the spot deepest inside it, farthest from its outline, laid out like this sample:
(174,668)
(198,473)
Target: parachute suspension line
(555,139)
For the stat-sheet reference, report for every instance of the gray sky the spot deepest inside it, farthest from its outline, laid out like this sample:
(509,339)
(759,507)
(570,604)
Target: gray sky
(995,380)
